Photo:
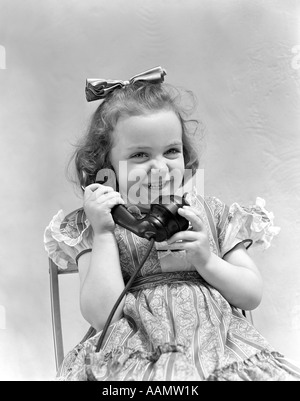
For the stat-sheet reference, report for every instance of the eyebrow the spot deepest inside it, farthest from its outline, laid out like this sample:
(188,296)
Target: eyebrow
(176,143)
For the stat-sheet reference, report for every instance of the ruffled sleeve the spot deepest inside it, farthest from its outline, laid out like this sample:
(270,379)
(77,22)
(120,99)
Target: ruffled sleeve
(253,225)
(66,237)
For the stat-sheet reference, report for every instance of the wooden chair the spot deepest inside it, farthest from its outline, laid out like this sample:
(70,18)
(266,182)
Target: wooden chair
(54,272)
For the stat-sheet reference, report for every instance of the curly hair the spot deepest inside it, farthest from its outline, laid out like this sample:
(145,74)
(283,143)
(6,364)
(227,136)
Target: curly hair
(93,151)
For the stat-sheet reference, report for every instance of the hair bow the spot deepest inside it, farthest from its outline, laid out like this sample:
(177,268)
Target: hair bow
(96,89)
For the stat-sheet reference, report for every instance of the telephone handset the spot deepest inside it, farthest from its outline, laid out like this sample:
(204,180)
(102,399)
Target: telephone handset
(160,223)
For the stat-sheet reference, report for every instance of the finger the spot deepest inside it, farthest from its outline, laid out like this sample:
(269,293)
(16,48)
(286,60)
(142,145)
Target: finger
(192,217)
(95,186)
(97,189)
(181,246)
(111,203)
(101,198)
(111,199)
(92,187)
(187,236)
(192,209)
(178,246)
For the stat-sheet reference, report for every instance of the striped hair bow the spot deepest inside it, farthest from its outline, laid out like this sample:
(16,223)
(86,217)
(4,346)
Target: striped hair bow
(96,89)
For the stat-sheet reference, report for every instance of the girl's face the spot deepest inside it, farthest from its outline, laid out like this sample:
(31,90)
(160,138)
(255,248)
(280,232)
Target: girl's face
(147,156)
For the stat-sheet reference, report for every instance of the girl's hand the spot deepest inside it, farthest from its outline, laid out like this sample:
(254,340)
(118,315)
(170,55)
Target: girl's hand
(97,203)
(195,242)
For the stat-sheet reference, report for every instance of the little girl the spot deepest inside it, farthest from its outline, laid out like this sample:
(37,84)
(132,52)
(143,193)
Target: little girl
(180,319)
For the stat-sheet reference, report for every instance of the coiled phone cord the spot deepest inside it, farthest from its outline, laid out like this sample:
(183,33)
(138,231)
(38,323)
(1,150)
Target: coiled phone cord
(128,285)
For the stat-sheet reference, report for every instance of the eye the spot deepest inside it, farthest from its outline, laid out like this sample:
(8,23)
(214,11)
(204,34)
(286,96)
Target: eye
(139,155)
(173,151)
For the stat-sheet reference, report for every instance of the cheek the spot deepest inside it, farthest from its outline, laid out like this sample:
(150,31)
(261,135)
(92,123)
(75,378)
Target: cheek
(177,173)
(178,164)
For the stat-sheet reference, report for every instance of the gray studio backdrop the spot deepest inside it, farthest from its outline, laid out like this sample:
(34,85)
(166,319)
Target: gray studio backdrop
(241,58)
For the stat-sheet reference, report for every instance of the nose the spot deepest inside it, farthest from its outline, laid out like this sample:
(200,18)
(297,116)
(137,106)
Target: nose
(159,168)
(159,163)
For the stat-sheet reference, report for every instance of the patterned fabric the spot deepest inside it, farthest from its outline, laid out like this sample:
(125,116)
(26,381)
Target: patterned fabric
(175,326)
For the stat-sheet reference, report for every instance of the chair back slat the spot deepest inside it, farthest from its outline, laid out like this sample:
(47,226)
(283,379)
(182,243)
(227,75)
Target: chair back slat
(55,314)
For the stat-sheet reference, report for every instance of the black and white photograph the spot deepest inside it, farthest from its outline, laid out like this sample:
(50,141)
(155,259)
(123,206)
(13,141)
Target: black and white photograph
(150,209)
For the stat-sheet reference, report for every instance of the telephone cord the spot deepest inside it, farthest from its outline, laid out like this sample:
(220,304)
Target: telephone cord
(128,285)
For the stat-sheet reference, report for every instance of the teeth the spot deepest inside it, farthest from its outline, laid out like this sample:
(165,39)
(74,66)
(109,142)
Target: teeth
(155,186)
(158,186)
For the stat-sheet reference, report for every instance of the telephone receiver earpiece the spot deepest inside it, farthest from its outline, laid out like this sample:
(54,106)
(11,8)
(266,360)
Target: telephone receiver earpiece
(160,223)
